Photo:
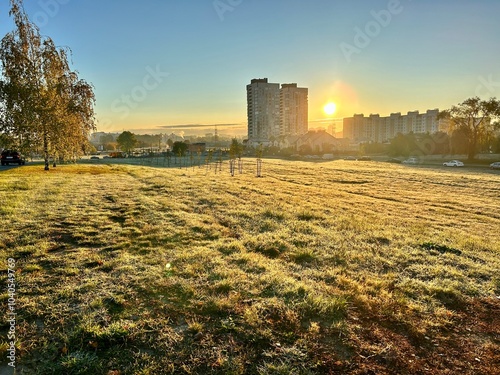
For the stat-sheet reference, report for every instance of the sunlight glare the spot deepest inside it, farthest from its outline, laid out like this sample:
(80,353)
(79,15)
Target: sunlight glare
(330,108)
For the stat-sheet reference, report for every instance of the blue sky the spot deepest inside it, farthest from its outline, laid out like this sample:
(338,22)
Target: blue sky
(159,64)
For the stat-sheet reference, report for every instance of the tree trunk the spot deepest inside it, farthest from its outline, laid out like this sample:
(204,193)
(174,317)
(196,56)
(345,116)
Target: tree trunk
(472,149)
(46,151)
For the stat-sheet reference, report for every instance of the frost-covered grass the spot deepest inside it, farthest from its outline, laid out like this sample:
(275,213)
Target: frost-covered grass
(315,268)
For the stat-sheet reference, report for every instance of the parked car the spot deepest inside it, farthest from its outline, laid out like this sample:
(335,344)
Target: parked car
(94,158)
(12,157)
(410,161)
(453,163)
(495,165)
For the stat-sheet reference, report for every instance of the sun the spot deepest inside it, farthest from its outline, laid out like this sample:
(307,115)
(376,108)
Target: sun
(330,108)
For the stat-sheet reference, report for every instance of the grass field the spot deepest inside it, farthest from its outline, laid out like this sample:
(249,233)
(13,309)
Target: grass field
(315,268)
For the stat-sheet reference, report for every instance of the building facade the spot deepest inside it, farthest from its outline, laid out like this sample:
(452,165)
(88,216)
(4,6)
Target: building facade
(263,110)
(382,129)
(275,111)
(294,109)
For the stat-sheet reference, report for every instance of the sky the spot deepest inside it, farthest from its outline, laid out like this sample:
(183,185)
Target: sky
(183,65)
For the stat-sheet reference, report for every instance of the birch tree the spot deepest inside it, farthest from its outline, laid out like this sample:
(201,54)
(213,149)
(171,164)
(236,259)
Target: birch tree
(43,102)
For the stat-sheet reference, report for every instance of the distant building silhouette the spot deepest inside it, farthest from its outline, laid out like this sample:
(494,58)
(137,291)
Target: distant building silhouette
(317,142)
(197,147)
(275,112)
(381,129)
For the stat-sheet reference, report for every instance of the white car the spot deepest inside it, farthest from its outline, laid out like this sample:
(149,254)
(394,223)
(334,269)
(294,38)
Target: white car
(453,163)
(495,165)
(410,161)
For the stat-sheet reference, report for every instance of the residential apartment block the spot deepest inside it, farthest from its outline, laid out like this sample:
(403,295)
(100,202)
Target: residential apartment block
(294,116)
(275,111)
(381,129)
(263,109)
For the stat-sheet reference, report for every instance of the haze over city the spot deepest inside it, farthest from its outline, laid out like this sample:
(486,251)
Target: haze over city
(183,66)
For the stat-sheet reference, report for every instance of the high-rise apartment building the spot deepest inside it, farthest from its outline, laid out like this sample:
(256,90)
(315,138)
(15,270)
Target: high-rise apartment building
(294,109)
(273,111)
(263,109)
(381,129)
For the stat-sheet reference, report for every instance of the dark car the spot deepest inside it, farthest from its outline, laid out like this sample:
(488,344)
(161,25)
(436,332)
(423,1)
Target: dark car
(11,157)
